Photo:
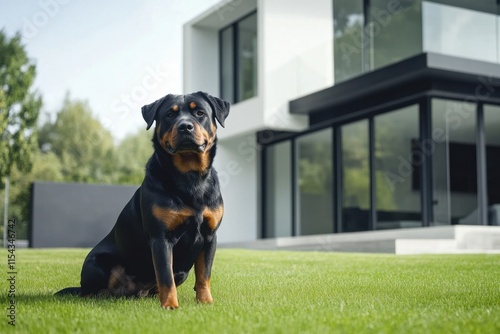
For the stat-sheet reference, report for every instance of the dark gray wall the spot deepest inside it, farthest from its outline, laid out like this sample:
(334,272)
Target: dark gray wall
(74,215)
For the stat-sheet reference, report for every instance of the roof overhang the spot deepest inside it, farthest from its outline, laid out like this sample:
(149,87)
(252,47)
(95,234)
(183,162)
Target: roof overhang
(426,73)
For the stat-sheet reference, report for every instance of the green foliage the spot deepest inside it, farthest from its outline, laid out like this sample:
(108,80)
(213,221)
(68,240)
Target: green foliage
(84,147)
(315,168)
(47,167)
(131,157)
(276,292)
(75,147)
(19,107)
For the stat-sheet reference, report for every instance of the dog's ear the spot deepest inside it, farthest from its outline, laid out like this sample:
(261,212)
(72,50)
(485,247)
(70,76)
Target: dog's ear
(219,106)
(150,111)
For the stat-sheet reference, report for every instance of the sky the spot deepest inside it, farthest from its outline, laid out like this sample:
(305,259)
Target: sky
(116,55)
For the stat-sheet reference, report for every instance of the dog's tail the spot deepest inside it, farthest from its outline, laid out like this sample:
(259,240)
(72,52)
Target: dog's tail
(69,291)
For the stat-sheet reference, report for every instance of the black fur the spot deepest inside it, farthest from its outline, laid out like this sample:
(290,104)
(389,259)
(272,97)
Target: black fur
(173,215)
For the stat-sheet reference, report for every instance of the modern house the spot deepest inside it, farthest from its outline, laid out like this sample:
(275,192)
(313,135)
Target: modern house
(352,115)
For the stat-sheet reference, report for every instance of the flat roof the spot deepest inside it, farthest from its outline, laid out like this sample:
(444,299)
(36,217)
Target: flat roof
(422,74)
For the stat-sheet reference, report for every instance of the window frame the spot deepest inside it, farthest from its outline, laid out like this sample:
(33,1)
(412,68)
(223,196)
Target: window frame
(235,78)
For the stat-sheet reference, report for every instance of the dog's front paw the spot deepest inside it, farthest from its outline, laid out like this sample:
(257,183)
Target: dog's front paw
(168,297)
(204,296)
(170,307)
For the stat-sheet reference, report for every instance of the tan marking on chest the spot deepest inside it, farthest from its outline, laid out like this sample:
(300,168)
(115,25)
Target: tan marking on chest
(171,218)
(213,217)
(191,162)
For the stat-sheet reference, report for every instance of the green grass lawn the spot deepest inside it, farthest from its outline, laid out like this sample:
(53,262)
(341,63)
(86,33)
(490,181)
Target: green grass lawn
(273,292)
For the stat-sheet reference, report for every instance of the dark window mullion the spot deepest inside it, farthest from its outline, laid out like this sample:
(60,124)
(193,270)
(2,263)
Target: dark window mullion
(482,185)
(263,187)
(426,184)
(338,179)
(371,165)
(236,62)
(294,185)
(335,207)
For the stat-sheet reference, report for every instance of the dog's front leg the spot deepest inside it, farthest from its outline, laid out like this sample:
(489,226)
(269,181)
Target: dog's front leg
(162,252)
(203,269)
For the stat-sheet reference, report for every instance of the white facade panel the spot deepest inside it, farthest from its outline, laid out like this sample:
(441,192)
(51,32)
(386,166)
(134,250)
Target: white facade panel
(237,164)
(297,56)
(201,60)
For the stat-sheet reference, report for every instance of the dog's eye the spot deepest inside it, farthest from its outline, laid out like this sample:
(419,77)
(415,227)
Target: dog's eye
(200,113)
(170,115)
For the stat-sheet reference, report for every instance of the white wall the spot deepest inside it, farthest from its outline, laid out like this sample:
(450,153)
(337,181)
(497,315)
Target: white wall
(296,55)
(201,60)
(237,162)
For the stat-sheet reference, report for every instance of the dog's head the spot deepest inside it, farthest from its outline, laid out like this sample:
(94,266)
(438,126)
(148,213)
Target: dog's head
(186,127)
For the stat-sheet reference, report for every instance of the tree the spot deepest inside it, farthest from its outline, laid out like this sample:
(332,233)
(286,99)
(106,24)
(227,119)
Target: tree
(19,109)
(131,157)
(84,147)
(19,106)
(46,167)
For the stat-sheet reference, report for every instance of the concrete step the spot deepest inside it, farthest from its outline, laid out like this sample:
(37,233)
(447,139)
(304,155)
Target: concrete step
(452,239)
(466,240)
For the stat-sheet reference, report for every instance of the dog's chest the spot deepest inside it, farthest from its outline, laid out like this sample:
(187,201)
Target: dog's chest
(172,219)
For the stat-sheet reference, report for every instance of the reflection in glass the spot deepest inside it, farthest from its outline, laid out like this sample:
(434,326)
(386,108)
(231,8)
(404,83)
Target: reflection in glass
(315,183)
(238,52)
(227,65)
(454,162)
(348,38)
(492,129)
(355,177)
(247,57)
(278,191)
(395,30)
(397,195)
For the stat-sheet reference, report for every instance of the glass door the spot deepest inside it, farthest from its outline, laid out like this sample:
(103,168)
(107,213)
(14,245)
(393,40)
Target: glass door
(454,162)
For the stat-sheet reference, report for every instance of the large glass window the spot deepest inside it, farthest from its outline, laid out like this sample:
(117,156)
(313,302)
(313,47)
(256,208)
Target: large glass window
(454,162)
(349,39)
(278,191)
(369,34)
(395,31)
(315,184)
(355,177)
(396,168)
(247,58)
(227,64)
(391,32)
(460,32)
(492,129)
(239,60)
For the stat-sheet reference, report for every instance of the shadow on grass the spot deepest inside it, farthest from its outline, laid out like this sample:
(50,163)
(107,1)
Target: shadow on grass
(69,299)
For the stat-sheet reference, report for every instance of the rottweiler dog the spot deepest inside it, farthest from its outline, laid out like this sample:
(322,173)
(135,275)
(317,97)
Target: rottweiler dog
(170,223)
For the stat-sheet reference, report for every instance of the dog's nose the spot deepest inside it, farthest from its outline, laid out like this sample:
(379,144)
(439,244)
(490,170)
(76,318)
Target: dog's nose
(186,126)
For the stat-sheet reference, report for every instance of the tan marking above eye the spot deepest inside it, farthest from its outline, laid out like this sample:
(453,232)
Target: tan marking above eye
(192,105)
(175,107)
